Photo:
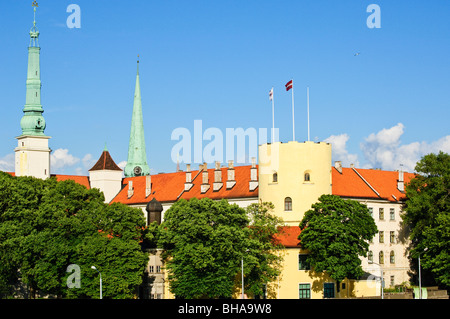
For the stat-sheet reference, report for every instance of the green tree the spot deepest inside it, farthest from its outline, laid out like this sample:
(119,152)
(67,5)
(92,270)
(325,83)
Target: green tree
(427,215)
(263,262)
(47,225)
(336,232)
(204,242)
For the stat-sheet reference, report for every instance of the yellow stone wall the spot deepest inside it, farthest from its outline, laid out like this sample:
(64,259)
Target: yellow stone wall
(291,161)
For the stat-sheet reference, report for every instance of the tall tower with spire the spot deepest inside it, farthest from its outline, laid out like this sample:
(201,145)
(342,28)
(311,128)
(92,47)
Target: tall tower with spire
(32,155)
(137,156)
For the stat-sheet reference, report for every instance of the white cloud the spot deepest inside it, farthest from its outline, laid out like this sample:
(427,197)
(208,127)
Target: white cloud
(384,149)
(61,159)
(339,150)
(122,164)
(7,163)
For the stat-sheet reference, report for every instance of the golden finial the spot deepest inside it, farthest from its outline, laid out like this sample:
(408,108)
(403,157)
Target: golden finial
(138,58)
(34,4)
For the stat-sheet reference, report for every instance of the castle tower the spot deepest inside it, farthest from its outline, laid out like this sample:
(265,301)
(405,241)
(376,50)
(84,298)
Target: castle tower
(293,176)
(137,156)
(32,155)
(106,176)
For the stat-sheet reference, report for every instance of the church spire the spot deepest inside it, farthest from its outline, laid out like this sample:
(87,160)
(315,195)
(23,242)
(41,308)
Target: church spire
(32,154)
(33,122)
(137,156)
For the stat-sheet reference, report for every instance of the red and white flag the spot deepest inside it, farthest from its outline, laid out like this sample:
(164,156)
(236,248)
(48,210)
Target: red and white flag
(289,85)
(271,94)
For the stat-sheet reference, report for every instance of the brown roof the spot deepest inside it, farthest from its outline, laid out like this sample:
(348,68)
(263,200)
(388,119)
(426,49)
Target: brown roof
(105,162)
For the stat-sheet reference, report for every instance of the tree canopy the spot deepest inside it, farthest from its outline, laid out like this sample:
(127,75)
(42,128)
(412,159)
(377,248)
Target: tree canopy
(204,242)
(427,213)
(46,225)
(336,232)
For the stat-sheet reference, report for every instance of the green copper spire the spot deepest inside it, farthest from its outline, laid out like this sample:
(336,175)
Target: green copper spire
(137,157)
(33,122)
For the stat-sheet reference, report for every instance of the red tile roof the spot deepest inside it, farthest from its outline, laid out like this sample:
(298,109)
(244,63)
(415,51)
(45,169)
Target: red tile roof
(368,183)
(82,180)
(288,236)
(169,187)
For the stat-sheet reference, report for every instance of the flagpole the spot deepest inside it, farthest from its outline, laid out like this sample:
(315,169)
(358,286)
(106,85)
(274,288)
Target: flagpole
(307,98)
(273,117)
(293,121)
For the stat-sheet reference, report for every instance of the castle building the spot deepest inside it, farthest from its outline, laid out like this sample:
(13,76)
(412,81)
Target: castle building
(291,175)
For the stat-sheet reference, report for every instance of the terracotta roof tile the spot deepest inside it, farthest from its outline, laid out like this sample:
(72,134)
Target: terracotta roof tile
(82,180)
(169,187)
(288,236)
(368,183)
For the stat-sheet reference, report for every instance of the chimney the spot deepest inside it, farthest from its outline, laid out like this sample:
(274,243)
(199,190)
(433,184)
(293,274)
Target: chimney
(400,181)
(253,184)
(338,166)
(217,178)
(188,184)
(130,189)
(230,175)
(148,185)
(205,186)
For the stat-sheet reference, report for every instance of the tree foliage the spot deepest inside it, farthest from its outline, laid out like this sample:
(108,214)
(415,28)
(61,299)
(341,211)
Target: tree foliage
(47,225)
(427,213)
(204,242)
(336,232)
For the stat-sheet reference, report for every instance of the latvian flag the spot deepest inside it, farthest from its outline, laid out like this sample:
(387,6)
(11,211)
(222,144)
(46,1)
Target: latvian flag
(289,85)
(271,94)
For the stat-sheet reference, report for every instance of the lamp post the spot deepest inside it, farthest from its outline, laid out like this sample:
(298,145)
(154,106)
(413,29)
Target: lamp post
(242,273)
(420,279)
(101,295)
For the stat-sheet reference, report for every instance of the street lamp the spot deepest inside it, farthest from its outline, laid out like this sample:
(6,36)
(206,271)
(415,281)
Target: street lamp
(242,273)
(101,296)
(382,279)
(420,279)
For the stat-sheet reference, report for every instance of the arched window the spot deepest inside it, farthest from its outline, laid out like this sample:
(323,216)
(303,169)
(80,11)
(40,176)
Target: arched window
(307,177)
(381,258)
(287,204)
(392,257)
(275,177)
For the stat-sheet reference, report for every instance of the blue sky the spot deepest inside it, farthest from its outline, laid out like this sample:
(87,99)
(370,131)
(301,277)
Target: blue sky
(216,61)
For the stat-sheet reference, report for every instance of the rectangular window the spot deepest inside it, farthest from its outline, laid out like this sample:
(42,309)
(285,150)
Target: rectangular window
(304,291)
(392,214)
(151,269)
(392,281)
(371,211)
(392,237)
(381,236)
(328,290)
(302,264)
(158,269)
(381,213)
